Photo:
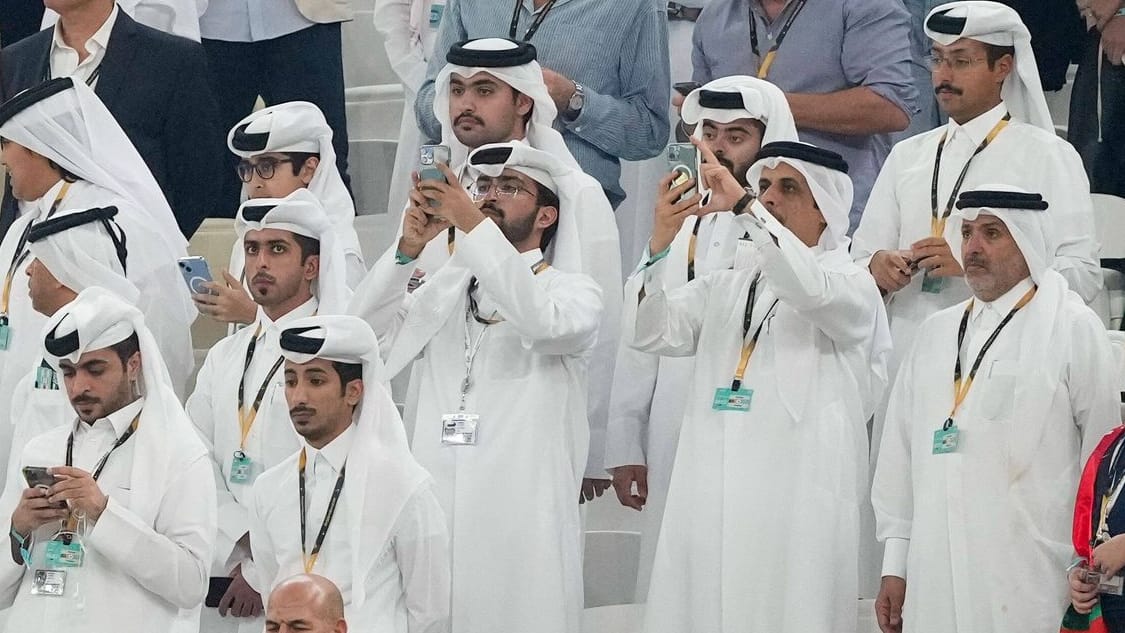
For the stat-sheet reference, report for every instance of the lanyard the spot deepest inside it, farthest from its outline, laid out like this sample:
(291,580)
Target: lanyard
(540,15)
(937,222)
(472,314)
(21,254)
(246,419)
(771,54)
(691,248)
(310,559)
(1109,499)
(747,320)
(961,389)
(116,445)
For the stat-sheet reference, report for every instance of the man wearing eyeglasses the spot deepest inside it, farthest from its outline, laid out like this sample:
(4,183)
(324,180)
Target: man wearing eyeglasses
(284,148)
(999,131)
(504,333)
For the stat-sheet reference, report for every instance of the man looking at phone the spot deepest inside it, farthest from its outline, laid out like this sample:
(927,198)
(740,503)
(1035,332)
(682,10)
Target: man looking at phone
(735,117)
(56,164)
(371,524)
(492,90)
(295,269)
(283,148)
(130,548)
(789,364)
(505,329)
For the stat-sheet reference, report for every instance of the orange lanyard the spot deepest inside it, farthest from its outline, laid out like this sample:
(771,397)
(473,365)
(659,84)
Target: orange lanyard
(938,221)
(21,254)
(310,559)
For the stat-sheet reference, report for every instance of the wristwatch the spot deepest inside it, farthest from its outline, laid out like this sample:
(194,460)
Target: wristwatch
(577,100)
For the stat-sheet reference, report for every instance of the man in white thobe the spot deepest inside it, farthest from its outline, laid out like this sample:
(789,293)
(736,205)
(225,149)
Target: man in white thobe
(773,445)
(68,253)
(284,148)
(131,552)
(506,329)
(353,492)
(993,413)
(735,116)
(295,269)
(65,151)
(492,91)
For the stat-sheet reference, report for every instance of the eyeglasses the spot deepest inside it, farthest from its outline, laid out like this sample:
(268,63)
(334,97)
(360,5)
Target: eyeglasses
(504,189)
(265,168)
(956,64)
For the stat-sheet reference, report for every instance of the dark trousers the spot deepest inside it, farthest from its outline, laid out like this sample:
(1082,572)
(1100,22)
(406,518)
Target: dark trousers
(18,19)
(302,66)
(1104,160)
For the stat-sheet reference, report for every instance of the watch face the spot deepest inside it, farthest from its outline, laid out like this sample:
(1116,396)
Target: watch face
(577,99)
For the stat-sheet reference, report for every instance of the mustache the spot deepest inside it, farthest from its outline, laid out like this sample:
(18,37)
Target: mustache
(84,399)
(302,410)
(945,86)
(489,206)
(263,277)
(976,260)
(471,117)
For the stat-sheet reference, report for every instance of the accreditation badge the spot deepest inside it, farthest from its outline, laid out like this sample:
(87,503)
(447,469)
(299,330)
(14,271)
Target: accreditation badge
(946,439)
(459,429)
(727,399)
(241,468)
(48,582)
(436,11)
(5,333)
(932,285)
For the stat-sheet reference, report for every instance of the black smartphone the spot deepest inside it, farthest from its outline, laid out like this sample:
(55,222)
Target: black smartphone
(216,588)
(686,87)
(40,477)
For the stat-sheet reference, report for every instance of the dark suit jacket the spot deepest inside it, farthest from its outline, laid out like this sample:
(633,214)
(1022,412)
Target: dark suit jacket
(155,84)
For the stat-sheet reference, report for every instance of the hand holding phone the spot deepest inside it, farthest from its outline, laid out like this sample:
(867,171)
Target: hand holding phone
(683,159)
(41,477)
(195,272)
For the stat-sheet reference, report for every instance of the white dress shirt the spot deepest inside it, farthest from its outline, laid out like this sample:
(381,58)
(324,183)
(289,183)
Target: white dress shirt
(65,60)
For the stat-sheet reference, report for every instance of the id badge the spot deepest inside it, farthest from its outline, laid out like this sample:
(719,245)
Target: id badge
(459,429)
(1113,585)
(932,285)
(5,334)
(46,378)
(61,554)
(241,468)
(946,440)
(48,582)
(729,400)
(436,11)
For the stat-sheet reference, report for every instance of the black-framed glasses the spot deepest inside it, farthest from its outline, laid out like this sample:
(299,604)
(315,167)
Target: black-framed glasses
(504,189)
(264,166)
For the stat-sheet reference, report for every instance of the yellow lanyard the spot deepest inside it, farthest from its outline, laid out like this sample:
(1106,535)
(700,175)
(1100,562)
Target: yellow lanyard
(961,388)
(246,418)
(310,559)
(20,255)
(938,221)
(748,347)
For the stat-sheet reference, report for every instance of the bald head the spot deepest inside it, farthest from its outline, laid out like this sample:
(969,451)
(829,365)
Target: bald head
(308,603)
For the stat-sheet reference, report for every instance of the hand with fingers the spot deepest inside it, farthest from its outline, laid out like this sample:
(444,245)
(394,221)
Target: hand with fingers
(228,302)
(419,225)
(933,255)
(888,604)
(79,490)
(671,212)
(452,201)
(592,489)
(713,175)
(33,512)
(240,600)
(1083,595)
(624,477)
(892,270)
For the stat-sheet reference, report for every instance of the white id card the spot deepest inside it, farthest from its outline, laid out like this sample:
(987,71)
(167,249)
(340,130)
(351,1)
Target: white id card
(48,582)
(459,429)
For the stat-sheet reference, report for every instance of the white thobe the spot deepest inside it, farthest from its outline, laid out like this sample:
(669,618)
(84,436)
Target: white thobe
(137,574)
(146,269)
(983,535)
(509,499)
(213,408)
(648,399)
(743,546)
(406,578)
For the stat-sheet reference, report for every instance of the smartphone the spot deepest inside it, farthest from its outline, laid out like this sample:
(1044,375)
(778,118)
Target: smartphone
(216,588)
(40,477)
(686,87)
(428,158)
(683,159)
(195,272)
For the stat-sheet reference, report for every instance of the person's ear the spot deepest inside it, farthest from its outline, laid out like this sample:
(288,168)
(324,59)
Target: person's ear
(312,267)
(545,217)
(353,393)
(308,170)
(133,368)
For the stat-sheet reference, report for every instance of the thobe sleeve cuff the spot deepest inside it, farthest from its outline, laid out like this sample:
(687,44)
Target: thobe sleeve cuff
(895,551)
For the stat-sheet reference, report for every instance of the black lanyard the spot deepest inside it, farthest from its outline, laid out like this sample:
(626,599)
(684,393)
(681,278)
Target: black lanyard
(539,17)
(308,559)
(116,445)
(764,65)
(246,420)
(539,267)
(691,248)
(21,254)
(747,321)
(960,390)
(937,223)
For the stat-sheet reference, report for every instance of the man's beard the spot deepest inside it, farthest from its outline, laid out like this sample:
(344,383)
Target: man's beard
(516,231)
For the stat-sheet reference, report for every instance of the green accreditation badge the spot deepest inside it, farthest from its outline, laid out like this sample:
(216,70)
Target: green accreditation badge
(62,553)
(5,333)
(241,468)
(932,285)
(435,15)
(727,399)
(46,378)
(946,438)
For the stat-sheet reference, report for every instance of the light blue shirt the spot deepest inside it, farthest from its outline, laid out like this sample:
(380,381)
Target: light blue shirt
(251,20)
(617,50)
(833,45)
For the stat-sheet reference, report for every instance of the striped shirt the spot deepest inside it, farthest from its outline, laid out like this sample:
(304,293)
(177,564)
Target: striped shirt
(617,50)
